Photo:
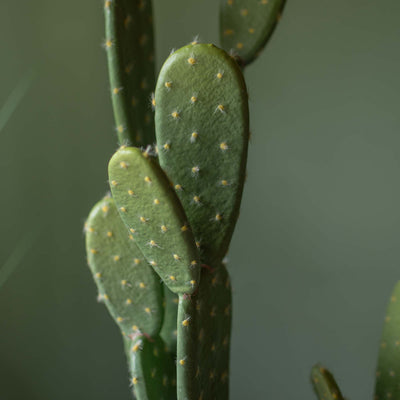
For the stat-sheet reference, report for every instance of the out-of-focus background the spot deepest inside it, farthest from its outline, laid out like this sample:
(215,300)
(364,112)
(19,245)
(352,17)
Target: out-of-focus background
(316,251)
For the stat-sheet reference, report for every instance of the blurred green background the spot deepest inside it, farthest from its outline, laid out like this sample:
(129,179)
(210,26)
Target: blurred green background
(316,251)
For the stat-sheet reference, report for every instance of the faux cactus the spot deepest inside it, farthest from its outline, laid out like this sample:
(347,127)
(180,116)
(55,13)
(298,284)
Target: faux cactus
(156,244)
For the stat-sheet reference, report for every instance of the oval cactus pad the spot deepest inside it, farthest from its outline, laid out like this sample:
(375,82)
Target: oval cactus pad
(128,286)
(151,210)
(202,131)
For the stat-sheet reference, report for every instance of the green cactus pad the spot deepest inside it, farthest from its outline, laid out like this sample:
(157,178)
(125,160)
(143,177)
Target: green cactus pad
(126,283)
(169,330)
(152,370)
(130,52)
(151,210)
(324,384)
(204,325)
(246,25)
(202,129)
(388,370)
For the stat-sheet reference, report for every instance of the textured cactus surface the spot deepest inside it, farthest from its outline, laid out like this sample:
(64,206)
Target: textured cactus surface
(202,130)
(213,308)
(127,284)
(388,370)
(246,25)
(324,384)
(204,324)
(130,52)
(152,370)
(150,209)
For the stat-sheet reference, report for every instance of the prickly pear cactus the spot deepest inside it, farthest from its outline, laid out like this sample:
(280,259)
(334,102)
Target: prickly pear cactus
(155,248)
(247,25)
(155,245)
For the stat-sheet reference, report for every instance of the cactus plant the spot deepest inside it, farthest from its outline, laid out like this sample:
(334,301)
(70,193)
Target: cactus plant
(156,245)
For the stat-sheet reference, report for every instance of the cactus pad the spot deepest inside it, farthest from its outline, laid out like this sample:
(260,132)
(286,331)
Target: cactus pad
(202,129)
(151,210)
(324,384)
(152,370)
(204,325)
(130,53)
(126,283)
(388,371)
(246,25)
